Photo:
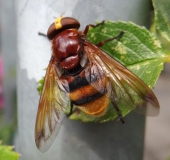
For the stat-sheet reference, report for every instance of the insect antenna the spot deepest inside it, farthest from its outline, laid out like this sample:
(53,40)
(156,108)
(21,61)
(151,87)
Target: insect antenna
(42,34)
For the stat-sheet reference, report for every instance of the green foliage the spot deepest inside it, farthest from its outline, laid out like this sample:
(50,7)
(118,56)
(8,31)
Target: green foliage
(162,24)
(138,49)
(7,130)
(6,133)
(40,85)
(6,153)
(162,17)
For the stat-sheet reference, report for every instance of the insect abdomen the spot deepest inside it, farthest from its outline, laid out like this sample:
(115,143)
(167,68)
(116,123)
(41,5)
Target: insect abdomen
(86,97)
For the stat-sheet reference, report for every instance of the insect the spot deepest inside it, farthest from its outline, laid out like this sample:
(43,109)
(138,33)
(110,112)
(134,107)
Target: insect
(82,75)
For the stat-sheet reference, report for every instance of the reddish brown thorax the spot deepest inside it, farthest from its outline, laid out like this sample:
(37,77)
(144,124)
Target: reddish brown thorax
(66,42)
(66,47)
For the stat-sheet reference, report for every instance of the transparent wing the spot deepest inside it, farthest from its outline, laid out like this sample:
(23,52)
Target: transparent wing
(124,89)
(52,105)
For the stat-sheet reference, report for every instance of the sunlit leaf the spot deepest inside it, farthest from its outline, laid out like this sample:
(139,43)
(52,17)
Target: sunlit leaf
(138,50)
(7,153)
(162,17)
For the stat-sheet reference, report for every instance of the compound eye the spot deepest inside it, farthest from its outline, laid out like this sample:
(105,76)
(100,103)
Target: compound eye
(61,24)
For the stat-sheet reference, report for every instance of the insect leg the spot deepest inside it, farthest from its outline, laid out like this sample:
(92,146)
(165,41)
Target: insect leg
(110,39)
(71,109)
(118,112)
(92,25)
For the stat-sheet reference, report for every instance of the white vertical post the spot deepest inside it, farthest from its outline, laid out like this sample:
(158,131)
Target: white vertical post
(76,140)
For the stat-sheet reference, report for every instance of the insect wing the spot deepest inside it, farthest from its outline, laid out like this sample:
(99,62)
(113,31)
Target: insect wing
(52,105)
(124,89)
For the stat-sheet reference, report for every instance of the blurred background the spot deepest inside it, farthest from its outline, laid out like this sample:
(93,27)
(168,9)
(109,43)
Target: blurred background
(8,52)
(157,130)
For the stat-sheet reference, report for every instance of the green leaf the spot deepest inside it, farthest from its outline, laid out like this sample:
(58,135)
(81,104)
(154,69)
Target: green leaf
(162,16)
(40,85)
(138,50)
(6,153)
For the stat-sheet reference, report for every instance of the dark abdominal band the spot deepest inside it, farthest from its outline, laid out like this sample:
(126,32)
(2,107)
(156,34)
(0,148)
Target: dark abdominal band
(88,98)
(79,82)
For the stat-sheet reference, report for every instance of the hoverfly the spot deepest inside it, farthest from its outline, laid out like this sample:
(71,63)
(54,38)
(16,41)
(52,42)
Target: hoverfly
(81,74)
